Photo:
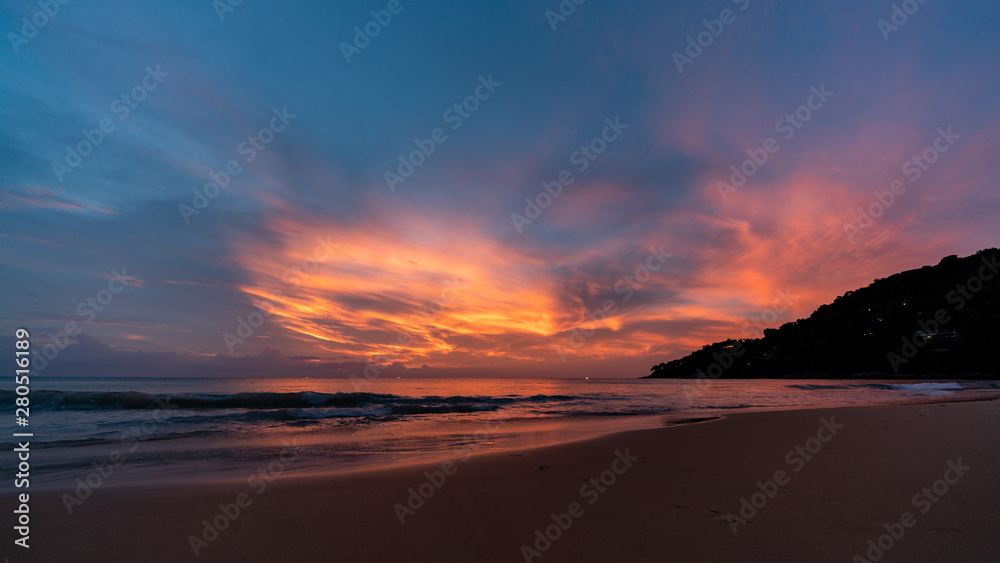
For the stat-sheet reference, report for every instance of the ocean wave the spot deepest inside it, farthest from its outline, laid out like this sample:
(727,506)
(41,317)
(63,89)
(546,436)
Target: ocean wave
(441,409)
(816,387)
(133,400)
(884,386)
(922,386)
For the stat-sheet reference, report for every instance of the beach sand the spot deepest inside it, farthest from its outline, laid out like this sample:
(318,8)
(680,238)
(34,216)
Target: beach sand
(668,505)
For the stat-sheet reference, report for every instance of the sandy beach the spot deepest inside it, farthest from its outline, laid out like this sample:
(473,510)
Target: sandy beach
(510,281)
(924,480)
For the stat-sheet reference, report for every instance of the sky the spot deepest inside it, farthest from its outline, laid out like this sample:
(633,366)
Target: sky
(451,188)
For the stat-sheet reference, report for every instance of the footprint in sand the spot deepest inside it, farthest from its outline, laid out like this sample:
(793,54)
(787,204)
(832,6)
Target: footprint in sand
(714,514)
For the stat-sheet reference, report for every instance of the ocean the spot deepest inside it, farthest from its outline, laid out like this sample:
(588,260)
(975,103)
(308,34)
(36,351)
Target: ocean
(179,429)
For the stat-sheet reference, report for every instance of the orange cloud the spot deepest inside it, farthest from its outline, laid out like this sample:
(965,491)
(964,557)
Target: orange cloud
(370,286)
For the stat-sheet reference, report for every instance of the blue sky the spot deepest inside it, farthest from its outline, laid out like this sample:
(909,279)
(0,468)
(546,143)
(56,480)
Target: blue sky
(323,175)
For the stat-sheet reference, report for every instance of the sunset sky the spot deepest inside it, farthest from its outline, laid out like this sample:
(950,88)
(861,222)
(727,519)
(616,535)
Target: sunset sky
(645,253)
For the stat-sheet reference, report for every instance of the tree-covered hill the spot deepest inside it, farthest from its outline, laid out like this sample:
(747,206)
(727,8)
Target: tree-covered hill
(936,320)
